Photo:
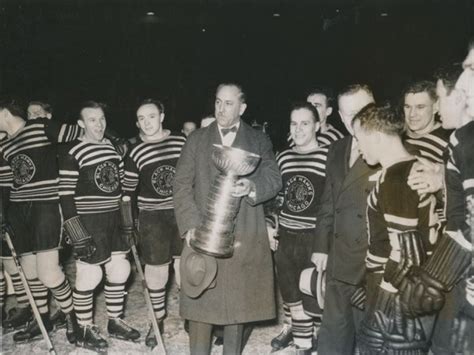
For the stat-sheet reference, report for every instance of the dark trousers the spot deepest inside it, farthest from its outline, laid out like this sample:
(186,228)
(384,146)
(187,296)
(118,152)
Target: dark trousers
(340,320)
(200,335)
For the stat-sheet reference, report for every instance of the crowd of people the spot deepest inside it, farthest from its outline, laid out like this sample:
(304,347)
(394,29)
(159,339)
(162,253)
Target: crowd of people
(369,234)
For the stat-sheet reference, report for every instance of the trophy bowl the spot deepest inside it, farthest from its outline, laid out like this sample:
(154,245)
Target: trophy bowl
(234,161)
(215,236)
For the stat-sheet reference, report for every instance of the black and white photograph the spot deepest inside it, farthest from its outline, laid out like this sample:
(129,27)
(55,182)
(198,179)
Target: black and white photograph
(233,177)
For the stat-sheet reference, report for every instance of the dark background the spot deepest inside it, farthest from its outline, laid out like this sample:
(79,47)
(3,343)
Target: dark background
(65,52)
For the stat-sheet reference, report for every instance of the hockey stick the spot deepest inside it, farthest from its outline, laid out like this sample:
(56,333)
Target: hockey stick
(127,220)
(29,294)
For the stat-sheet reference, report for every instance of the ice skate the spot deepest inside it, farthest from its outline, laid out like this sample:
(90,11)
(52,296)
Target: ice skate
(32,330)
(17,319)
(117,328)
(282,340)
(89,338)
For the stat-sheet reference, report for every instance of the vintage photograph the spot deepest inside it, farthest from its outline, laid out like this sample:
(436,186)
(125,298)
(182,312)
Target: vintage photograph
(237,177)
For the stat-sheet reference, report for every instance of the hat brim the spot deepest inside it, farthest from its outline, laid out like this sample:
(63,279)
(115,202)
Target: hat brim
(313,283)
(191,290)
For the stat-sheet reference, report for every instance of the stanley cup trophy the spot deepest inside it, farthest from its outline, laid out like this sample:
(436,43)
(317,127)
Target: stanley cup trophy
(215,235)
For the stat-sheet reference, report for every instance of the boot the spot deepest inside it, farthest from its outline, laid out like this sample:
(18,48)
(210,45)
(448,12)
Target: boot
(117,328)
(89,337)
(72,328)
(58,319)
(150,339)
(284,339)
(33,330)
(17,318)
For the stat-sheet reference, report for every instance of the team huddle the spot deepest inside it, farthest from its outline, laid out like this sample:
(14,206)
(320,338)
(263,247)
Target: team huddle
(369,234)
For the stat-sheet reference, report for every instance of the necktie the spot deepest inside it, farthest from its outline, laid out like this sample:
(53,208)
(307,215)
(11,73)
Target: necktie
(228,130)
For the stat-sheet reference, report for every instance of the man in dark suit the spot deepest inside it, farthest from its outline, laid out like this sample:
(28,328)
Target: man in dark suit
(244,289)
(340,243)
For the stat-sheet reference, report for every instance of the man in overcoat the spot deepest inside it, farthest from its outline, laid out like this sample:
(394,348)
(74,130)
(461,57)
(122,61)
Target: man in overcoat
(244,289)
(340,243)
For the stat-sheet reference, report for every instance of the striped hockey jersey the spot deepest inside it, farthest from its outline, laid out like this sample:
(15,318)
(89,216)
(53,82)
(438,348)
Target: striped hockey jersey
(393,208)
(90,178)
(303,178)
(150,168)
(29,164)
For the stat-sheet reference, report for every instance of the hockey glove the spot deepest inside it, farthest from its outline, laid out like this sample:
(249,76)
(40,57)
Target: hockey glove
(83,244)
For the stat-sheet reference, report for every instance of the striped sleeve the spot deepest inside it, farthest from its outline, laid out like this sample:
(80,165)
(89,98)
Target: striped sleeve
(6,174)
(131,176)
(68,177)
(62,132)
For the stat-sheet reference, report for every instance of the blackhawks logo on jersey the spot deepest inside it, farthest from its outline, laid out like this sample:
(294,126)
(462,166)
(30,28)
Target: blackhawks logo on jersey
(299,193)
(23,169)
(107,177)
(162,180)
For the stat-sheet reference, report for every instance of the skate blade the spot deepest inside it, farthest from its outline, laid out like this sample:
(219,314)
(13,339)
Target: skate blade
(83,345)
(118,337)
(12,329)
(31,340)
(275,349)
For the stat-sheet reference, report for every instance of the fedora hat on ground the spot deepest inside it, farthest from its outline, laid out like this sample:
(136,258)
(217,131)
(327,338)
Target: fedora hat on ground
(198,271)
(313,283)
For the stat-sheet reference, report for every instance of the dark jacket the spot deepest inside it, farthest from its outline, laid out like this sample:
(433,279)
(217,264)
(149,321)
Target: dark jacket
(341,227)
(244,289)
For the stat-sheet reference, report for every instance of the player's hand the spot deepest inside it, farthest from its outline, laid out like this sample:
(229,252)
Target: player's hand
(243,187)
(426,177)
(319,260)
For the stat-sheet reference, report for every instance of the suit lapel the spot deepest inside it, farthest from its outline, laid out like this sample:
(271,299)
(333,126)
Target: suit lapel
(358,171)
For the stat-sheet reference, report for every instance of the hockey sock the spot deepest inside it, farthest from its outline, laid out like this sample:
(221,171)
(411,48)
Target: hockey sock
(83,306)
(302,326)
(40,294)
(114,298)
(63,296)
(158,298)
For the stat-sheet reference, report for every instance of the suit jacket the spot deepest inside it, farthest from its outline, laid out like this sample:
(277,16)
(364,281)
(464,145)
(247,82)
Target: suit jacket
(341,227)
(244,289)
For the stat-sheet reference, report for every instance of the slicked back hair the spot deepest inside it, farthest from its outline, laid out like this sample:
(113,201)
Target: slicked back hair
(44,105)
(422,86)
(354,88)
(380,118)
(306,106)
(322,90)
(449,75)
(91,104)
(242,96)
(155,102)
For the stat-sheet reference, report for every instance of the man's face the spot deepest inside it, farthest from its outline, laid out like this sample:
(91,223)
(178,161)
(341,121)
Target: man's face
(228,106)
(149,119)
(451,106)
(350,105)
(188,127)
(368,144)
(420,109)
(93,122)
(465,83)
(320,102)
(303,127)
(36,111)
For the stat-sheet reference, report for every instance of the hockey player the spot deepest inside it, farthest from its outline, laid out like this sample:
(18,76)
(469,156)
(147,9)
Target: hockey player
(399,221)
(29,171)
(321,99)
(149,173)
(427,139)
(90,173)
(303,172)
(451,258)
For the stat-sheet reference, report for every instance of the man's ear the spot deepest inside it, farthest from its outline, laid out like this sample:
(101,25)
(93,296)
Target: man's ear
(243,107)
(329,111)
(317,126)
(81,124)
(49,116)
(162,117)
